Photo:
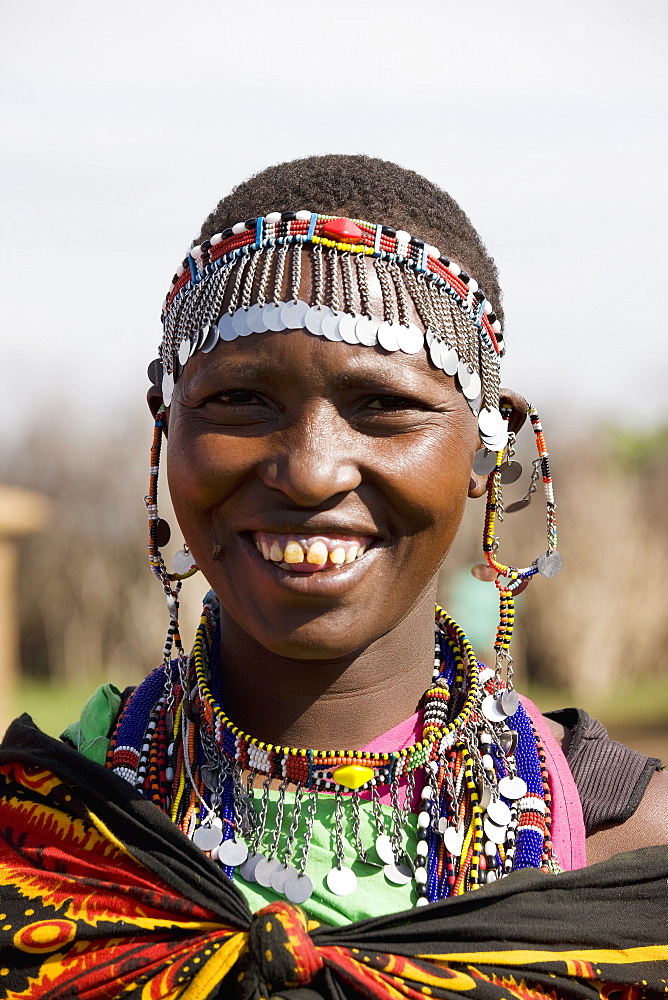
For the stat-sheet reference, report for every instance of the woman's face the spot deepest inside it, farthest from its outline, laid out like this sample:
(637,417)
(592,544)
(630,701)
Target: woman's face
(284,443)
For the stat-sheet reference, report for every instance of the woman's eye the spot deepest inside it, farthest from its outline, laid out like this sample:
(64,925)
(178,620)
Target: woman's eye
(234,397)
(392,403)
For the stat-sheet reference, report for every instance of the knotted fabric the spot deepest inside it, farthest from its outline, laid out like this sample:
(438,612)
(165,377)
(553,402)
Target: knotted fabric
(103,898)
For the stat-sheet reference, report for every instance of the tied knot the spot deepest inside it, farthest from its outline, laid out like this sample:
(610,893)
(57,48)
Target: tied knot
(282,948)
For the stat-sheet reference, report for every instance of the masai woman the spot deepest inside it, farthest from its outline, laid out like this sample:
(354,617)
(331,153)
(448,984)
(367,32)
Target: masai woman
(332,754)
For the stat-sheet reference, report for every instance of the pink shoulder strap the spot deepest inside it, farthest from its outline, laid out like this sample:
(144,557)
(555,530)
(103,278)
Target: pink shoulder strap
(568,829)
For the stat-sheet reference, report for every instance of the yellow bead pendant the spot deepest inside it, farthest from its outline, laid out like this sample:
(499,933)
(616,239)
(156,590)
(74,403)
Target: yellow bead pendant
(352,775)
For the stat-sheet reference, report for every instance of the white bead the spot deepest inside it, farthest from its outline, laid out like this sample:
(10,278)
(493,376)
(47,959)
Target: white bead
(487,307)
(272,218)
(422,849)
(423,820)
(422,901)
(473,285)
(487,761)
(403,236)
(432,251)
(491,876)
(485,738)
(426,792)
(303,216)
(490,849)
(454,268)
(421,875)
(169,773)
(196,252)
(215,240)
(179,271)
(496,326)
(239,227)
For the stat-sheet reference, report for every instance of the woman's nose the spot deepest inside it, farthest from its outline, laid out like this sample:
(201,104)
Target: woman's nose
(312,463)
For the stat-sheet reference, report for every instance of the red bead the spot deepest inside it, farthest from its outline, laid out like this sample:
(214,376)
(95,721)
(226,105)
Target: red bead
(342,230)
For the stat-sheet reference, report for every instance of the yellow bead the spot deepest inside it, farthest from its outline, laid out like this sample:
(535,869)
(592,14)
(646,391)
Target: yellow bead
(352,775)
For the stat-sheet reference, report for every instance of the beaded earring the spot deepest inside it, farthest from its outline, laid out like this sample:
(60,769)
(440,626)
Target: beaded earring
(501,468)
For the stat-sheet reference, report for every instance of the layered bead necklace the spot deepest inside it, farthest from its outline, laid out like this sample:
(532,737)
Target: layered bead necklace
(475,784)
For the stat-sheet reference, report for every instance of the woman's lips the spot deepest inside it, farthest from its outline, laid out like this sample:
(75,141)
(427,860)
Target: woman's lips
(311,553)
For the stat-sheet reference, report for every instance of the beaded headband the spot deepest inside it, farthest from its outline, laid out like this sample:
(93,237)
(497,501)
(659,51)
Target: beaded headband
(232,286)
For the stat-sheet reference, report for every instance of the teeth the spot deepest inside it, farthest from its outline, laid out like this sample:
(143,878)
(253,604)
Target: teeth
(361,550)
(317,554)
(266,552)
(276,553)
(351,554)
(294,553)
(338,556)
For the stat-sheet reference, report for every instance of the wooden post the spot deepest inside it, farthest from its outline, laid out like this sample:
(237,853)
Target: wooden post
(22,513)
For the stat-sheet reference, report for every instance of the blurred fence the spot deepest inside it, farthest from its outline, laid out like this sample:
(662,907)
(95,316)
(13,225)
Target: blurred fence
(89,606)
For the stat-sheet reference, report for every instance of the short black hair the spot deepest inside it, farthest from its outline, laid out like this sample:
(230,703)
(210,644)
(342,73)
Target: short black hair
(362,187)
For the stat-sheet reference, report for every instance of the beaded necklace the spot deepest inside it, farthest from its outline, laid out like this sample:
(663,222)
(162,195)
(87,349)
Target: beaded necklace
(479,768)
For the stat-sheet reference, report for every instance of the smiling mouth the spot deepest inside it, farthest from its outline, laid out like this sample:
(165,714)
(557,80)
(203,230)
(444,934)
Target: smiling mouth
(311,553)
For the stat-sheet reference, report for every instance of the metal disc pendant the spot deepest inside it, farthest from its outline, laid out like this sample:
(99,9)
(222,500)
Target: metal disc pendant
(518,505)
(495,442)
(549,563)
(513,788)
(209,777)
(366,329)
(226,329)
(240,323)
(509,701)
(485,796)
(271,314)
(330,325)
(398,874)
(298,888)
(384,849)
(347,327)
(201,337)
(387,336)
(472,390)
(232,852)
(464,373)
(280,876)
(481,571)
(490,422)
(341,881)
(453,840)
(184,351)
(247,869)
(207,837)
(313,319)
(449,360)
(497,834)
(484,462)
(498,812)
(255,320)
(293,314)
(264,870)
(435,352)
(182,562)
(410,338)
(490,709)
(167,388)
(508,742)
(510,472)
(210,340)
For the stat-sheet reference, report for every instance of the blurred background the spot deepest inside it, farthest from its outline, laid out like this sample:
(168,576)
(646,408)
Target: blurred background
(122,126)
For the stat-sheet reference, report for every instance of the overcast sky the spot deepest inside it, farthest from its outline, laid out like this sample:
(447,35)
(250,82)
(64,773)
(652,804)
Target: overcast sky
(124,122)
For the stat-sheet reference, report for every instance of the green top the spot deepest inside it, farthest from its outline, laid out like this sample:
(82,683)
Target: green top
(374,896)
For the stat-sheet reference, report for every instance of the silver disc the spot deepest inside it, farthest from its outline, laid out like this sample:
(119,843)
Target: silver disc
(497,834)
(182,562)
(490,709)
(240,323)
(329,324)
(184,350)
(264,870)
(247,869)
(510,472)
(464,373)
(442,824)
(293,314)
(200,338)
(271,314)
(209,777)
(298,888)
(254,319)
(226,329)
(485,796)
(499,813)
(210,340)
(453,840)
(518,505)
(384,849)
(410,339)
(280,876)
(495,442)
(484,462)
(398,874)
(341,881)
(474,404)
(513,788)
(508,741)
(549,563)
(435,352)
(232,852)
(449,360)
(313,319)
(387,336)
(167,388)
(347,325)
(472,390)
(366,329)
(490,422)
(207,837)
(509,702)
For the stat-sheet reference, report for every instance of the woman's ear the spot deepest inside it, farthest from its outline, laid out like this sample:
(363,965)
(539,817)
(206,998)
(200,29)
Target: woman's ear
(519,405)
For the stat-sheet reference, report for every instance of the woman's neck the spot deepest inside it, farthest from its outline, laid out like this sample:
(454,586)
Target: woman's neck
(340,704)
